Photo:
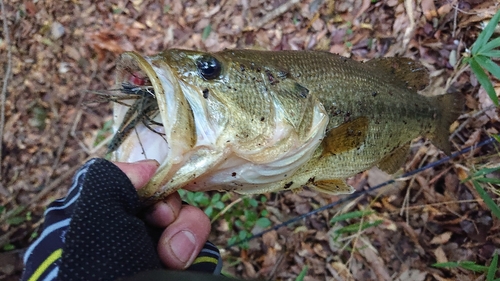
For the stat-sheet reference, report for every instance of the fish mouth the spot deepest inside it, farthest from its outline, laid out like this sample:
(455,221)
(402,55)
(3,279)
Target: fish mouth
(163,131)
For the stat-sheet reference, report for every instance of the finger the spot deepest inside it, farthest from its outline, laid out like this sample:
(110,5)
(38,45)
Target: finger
(140,172)
(163,213)
(181,242)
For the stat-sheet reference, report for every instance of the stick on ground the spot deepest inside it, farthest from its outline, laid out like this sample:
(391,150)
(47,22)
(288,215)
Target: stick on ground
(5,79)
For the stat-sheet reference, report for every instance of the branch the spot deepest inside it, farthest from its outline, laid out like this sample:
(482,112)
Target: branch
(5,80)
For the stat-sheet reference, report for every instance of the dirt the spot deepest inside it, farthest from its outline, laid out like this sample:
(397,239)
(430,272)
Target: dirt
(61,51)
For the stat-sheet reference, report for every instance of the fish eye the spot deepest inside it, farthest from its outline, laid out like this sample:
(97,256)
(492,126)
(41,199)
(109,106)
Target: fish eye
(209,67)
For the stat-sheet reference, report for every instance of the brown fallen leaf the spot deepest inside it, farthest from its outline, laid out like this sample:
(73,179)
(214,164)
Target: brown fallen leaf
(429,9)
(366,249)
(442,238)
(412,275)
(440,255)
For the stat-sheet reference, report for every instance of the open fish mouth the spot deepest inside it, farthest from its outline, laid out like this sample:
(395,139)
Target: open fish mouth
(157,124)
(209,142)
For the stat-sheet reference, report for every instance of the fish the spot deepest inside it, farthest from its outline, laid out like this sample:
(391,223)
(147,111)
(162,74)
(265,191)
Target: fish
(263,121)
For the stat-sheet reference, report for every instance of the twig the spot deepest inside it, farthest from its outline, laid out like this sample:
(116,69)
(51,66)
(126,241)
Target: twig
(410,30)
(5,80)
(273,14)
(226,209)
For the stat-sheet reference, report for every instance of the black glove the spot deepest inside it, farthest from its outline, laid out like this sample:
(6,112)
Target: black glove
(95,234)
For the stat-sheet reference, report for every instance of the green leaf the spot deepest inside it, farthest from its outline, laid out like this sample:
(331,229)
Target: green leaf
(497,138)
(243,234)
(206,32)
(492,269)
(491,54)
(485,171)
(351,215)
(253,202)
(166,8)
(302,274)
(483,80)
(479,175)
(215,198)
(355,227)
(493,44)
(250,215)
(8,247)
(263,222)
(486,33)
(202,199)
(473,266)
(238,223)
(488,180)
(487,199)
(489,65)
(209,211)
(182,193)
(450,264)
(219,205)
(232,240)
(15,220)
(225,197)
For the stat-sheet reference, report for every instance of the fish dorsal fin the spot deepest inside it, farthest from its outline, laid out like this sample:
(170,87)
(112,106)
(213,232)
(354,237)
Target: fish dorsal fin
(332,186)
(345,137)
(411,73)
(394,160)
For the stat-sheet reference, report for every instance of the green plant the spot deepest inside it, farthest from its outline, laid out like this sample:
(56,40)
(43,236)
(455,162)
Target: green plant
(481,57)
(16,217)
(302,274)
(206,32)
(352,227)
(8,247)
(106,130)
(211,205)
(478,179)
(241,217)
(490,270)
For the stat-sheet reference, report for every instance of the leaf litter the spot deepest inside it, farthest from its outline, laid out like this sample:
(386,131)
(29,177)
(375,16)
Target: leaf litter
(61,50)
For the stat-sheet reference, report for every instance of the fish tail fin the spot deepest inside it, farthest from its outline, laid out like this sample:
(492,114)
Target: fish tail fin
(450,106)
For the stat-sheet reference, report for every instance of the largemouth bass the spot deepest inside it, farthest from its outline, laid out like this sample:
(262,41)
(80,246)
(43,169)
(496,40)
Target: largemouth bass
(259,121)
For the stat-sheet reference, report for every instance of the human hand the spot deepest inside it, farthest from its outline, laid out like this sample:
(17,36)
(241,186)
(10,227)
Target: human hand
(186,228)
(98,231)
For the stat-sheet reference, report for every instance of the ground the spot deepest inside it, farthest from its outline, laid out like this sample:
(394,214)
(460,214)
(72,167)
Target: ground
(61,51)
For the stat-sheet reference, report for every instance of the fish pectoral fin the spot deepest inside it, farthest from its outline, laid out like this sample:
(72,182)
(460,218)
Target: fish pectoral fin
(332,186)
(345,137)
(412,73)
(394,160)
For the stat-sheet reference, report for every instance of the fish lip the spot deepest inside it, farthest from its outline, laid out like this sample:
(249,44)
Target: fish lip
(170,104)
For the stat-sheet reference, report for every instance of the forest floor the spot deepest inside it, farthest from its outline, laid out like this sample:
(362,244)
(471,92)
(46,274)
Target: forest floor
(63,50)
